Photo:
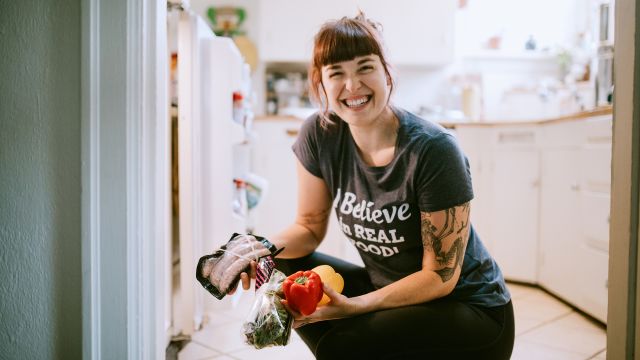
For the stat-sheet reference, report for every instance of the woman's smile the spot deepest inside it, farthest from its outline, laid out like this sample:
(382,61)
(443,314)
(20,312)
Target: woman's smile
(357,102)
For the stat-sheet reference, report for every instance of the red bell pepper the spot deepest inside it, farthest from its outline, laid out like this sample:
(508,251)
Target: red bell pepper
(303,291)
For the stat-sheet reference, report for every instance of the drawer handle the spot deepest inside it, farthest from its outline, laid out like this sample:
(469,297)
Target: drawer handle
(516,137)
(292,132)
(603,139)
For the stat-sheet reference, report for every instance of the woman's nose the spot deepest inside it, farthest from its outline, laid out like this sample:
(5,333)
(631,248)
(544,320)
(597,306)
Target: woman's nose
(353,83)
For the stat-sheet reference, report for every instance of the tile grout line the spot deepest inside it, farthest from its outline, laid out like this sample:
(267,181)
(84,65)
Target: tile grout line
(547,322)
(218,350)
(597,353)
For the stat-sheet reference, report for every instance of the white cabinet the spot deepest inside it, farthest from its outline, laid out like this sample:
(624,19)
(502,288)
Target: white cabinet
(416,32)
(515,213)
(559,221)
(574,222)
(274,160)
(473,142)
(287,27)
(553,231)
(505,171)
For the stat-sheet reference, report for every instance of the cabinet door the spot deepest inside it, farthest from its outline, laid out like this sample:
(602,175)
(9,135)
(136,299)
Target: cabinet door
(416,32)
(473,141)
(559,231)
(514,228)
(274,160)
(287,27)
(592,281)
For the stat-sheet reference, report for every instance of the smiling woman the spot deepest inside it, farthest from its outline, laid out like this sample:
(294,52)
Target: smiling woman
(400,187)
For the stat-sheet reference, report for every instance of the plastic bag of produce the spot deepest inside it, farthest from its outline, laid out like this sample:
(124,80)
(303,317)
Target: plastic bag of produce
(268,323)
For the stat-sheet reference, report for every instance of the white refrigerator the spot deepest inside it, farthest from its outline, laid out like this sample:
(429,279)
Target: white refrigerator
(211,73)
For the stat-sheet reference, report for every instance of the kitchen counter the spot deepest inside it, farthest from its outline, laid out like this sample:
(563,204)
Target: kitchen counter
(277,118)
(605,110)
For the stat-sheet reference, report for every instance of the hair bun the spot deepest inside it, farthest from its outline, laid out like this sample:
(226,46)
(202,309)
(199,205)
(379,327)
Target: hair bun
(363,18)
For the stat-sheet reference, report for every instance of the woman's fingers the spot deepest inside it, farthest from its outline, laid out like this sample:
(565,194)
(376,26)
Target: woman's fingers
(298,319)
(332,294)
(246,280)
(294,313)
(252,272)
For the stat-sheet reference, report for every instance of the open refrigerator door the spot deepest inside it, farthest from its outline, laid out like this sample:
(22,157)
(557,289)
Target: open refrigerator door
(211,110)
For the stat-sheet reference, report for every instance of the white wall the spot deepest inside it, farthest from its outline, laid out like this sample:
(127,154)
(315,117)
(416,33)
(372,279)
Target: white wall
(40,266)
(553,23)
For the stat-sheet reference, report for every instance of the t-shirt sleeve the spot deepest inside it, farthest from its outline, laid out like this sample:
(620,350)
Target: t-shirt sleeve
(444,178)
(306,145)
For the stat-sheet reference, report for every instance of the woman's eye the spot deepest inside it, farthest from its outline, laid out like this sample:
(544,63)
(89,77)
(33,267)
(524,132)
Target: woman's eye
(366,68)
(335,74)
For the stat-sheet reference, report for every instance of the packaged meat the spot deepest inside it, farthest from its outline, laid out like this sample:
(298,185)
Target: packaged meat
(219,272)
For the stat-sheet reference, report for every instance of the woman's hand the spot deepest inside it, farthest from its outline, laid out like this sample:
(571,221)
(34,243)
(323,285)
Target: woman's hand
(339,307)
(245,278)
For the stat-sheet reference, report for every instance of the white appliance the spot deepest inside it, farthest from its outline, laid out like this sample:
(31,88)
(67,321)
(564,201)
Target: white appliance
(210,69)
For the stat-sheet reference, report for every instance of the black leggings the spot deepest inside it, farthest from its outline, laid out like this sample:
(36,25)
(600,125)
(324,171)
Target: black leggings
(441,329)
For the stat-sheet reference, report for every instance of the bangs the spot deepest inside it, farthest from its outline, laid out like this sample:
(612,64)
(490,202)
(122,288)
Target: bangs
(345,40)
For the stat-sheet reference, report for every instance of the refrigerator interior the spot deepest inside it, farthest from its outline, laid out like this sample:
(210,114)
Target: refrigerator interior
(210,124)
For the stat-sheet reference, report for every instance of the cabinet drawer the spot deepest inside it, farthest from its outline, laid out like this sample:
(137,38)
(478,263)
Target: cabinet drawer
(594,217)
(563,135)
(596,168)
(598,130)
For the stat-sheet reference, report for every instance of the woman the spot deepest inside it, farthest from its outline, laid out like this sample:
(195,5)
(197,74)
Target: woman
(400,187)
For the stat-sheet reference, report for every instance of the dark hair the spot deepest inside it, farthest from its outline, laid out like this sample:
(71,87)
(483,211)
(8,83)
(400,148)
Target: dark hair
(343,40)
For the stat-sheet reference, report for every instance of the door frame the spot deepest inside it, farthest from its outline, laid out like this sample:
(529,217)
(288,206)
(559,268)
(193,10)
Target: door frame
(125,179)
(126,189)
(623,338)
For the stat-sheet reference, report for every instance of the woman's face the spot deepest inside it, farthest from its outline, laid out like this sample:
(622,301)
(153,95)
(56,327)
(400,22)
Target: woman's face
(357,90)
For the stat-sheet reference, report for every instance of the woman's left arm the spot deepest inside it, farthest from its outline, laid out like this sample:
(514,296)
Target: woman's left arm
(444,237)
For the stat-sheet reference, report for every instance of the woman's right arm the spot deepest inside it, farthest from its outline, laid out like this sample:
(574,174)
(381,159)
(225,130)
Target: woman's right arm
(305,234)
(312,217)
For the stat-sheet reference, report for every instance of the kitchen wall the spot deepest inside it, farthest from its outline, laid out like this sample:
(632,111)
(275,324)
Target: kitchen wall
(554,25)
(40,265)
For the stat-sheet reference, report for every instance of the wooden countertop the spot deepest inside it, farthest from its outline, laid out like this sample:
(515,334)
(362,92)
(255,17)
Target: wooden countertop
(277,118)
(605,110)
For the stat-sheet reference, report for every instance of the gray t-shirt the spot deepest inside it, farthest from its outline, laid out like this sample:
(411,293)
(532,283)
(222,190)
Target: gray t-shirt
(378,208)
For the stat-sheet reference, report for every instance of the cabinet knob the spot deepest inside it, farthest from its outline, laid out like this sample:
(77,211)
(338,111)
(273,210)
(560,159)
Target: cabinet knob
(575,187)
(292,132)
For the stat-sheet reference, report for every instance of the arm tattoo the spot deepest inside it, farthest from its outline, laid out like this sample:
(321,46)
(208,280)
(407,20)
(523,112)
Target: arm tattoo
(456,224)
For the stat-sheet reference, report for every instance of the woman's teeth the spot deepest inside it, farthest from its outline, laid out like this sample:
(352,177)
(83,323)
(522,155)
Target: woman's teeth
(357,102)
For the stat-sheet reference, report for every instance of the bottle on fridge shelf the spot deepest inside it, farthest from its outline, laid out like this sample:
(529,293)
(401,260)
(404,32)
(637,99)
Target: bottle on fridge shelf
(240,205)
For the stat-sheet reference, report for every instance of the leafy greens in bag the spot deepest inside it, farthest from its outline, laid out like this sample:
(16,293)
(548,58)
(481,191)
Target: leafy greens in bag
(269,323)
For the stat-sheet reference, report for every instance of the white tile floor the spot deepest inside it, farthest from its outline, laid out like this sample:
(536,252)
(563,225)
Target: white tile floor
(546,329)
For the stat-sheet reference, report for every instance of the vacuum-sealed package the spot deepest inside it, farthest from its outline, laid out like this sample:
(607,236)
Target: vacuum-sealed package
(268,323)
(219,272)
